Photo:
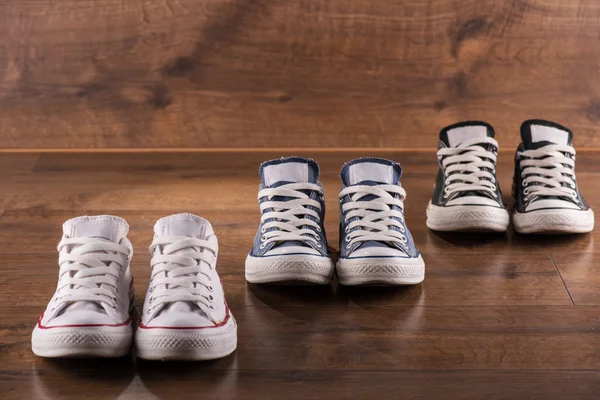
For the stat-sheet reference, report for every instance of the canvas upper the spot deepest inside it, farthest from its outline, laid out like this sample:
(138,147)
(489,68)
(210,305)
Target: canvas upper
(95,286)
(185,289)
(371,186)
(544,175)
(292,205)
(467,158)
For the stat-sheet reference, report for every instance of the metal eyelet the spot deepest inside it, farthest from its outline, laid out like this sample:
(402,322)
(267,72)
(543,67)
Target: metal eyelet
(526,191)
(211,307)
(318,229)
(151,289)
(210,297)
(210,288)
(348,245)
(151,300)
(348,238)
(319,245)
(525,183)
(262,238)
(263,230)
(262,246)
(318,237)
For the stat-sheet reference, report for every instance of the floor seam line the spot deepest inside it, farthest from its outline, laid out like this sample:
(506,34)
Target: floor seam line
(561,278)
(35,164)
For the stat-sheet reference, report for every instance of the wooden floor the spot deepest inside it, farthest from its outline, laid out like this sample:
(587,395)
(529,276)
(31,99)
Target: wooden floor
(498,317)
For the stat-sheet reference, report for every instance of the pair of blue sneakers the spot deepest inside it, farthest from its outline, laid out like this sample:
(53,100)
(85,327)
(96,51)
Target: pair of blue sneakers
(375,245)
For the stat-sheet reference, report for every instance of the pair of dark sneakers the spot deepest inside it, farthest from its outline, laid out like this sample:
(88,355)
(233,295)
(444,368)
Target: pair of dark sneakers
(467,196)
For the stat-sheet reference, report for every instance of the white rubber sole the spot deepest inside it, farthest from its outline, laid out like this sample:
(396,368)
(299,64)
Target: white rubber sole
(289,268)
(556,221)
(380,271)
(467,218)
(186,344)
(94,341)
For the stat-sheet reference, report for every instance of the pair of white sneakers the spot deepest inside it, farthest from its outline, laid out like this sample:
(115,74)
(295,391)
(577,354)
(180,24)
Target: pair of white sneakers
(185,315)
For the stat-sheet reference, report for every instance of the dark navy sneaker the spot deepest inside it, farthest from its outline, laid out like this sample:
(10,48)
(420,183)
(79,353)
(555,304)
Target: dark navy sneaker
(466,196)
(376,247)
(547,199)
(290,245)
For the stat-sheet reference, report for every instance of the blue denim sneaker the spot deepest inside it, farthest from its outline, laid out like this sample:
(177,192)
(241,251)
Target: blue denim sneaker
(376,247)
(290,245)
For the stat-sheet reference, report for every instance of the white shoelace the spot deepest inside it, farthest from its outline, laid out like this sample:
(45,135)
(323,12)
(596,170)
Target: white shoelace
(183,276)
(375,217)
(544,171)
(290,218)
(90,270)
(470,167)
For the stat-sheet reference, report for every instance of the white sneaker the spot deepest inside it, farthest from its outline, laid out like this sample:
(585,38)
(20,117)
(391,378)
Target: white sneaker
(185,314)
(89,314)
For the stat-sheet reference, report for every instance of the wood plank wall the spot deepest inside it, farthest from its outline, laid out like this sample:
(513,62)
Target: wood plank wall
(305,73)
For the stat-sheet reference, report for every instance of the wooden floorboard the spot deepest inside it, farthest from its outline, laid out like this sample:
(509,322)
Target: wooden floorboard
(123,380)
(580,272)
(353,337)
(17,164)
(313,73)
(498,317)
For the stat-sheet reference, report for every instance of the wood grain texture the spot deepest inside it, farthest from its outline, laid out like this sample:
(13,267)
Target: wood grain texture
(314,73)
(272,337)
(117,379)
(580,272)
(499,317)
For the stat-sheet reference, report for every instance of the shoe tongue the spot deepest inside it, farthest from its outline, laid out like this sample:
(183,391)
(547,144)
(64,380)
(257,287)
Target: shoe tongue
(184,224)
(539,133)
(371,171)
(288,170)
(101,226)
(456,134)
